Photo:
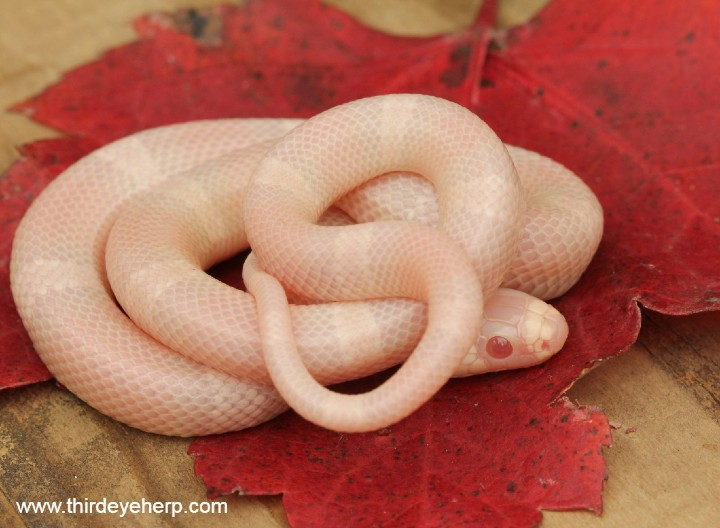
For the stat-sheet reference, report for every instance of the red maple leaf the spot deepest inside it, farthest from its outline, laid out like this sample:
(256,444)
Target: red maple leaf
(478,454)
(624,93)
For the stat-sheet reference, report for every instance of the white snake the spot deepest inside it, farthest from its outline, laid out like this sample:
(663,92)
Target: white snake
(150,212)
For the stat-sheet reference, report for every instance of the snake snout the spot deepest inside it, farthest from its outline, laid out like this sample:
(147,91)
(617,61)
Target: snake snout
(554,325)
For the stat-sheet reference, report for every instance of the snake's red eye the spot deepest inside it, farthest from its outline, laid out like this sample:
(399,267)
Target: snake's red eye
(499,347)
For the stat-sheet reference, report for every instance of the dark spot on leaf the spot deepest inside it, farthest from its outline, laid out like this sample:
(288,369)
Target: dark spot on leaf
(457,70)
(689,37)
(601,64)
(310,90)
(198,23)
(486,83)
(511,487)
(203,25)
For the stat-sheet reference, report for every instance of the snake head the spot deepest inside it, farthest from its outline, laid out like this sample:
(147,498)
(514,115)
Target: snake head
(518,331)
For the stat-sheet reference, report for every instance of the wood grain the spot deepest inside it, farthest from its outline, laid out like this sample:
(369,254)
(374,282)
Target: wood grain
(663,395)
(664,466)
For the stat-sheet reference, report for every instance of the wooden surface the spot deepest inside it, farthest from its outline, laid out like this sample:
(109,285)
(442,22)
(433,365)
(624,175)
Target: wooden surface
(664,394)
